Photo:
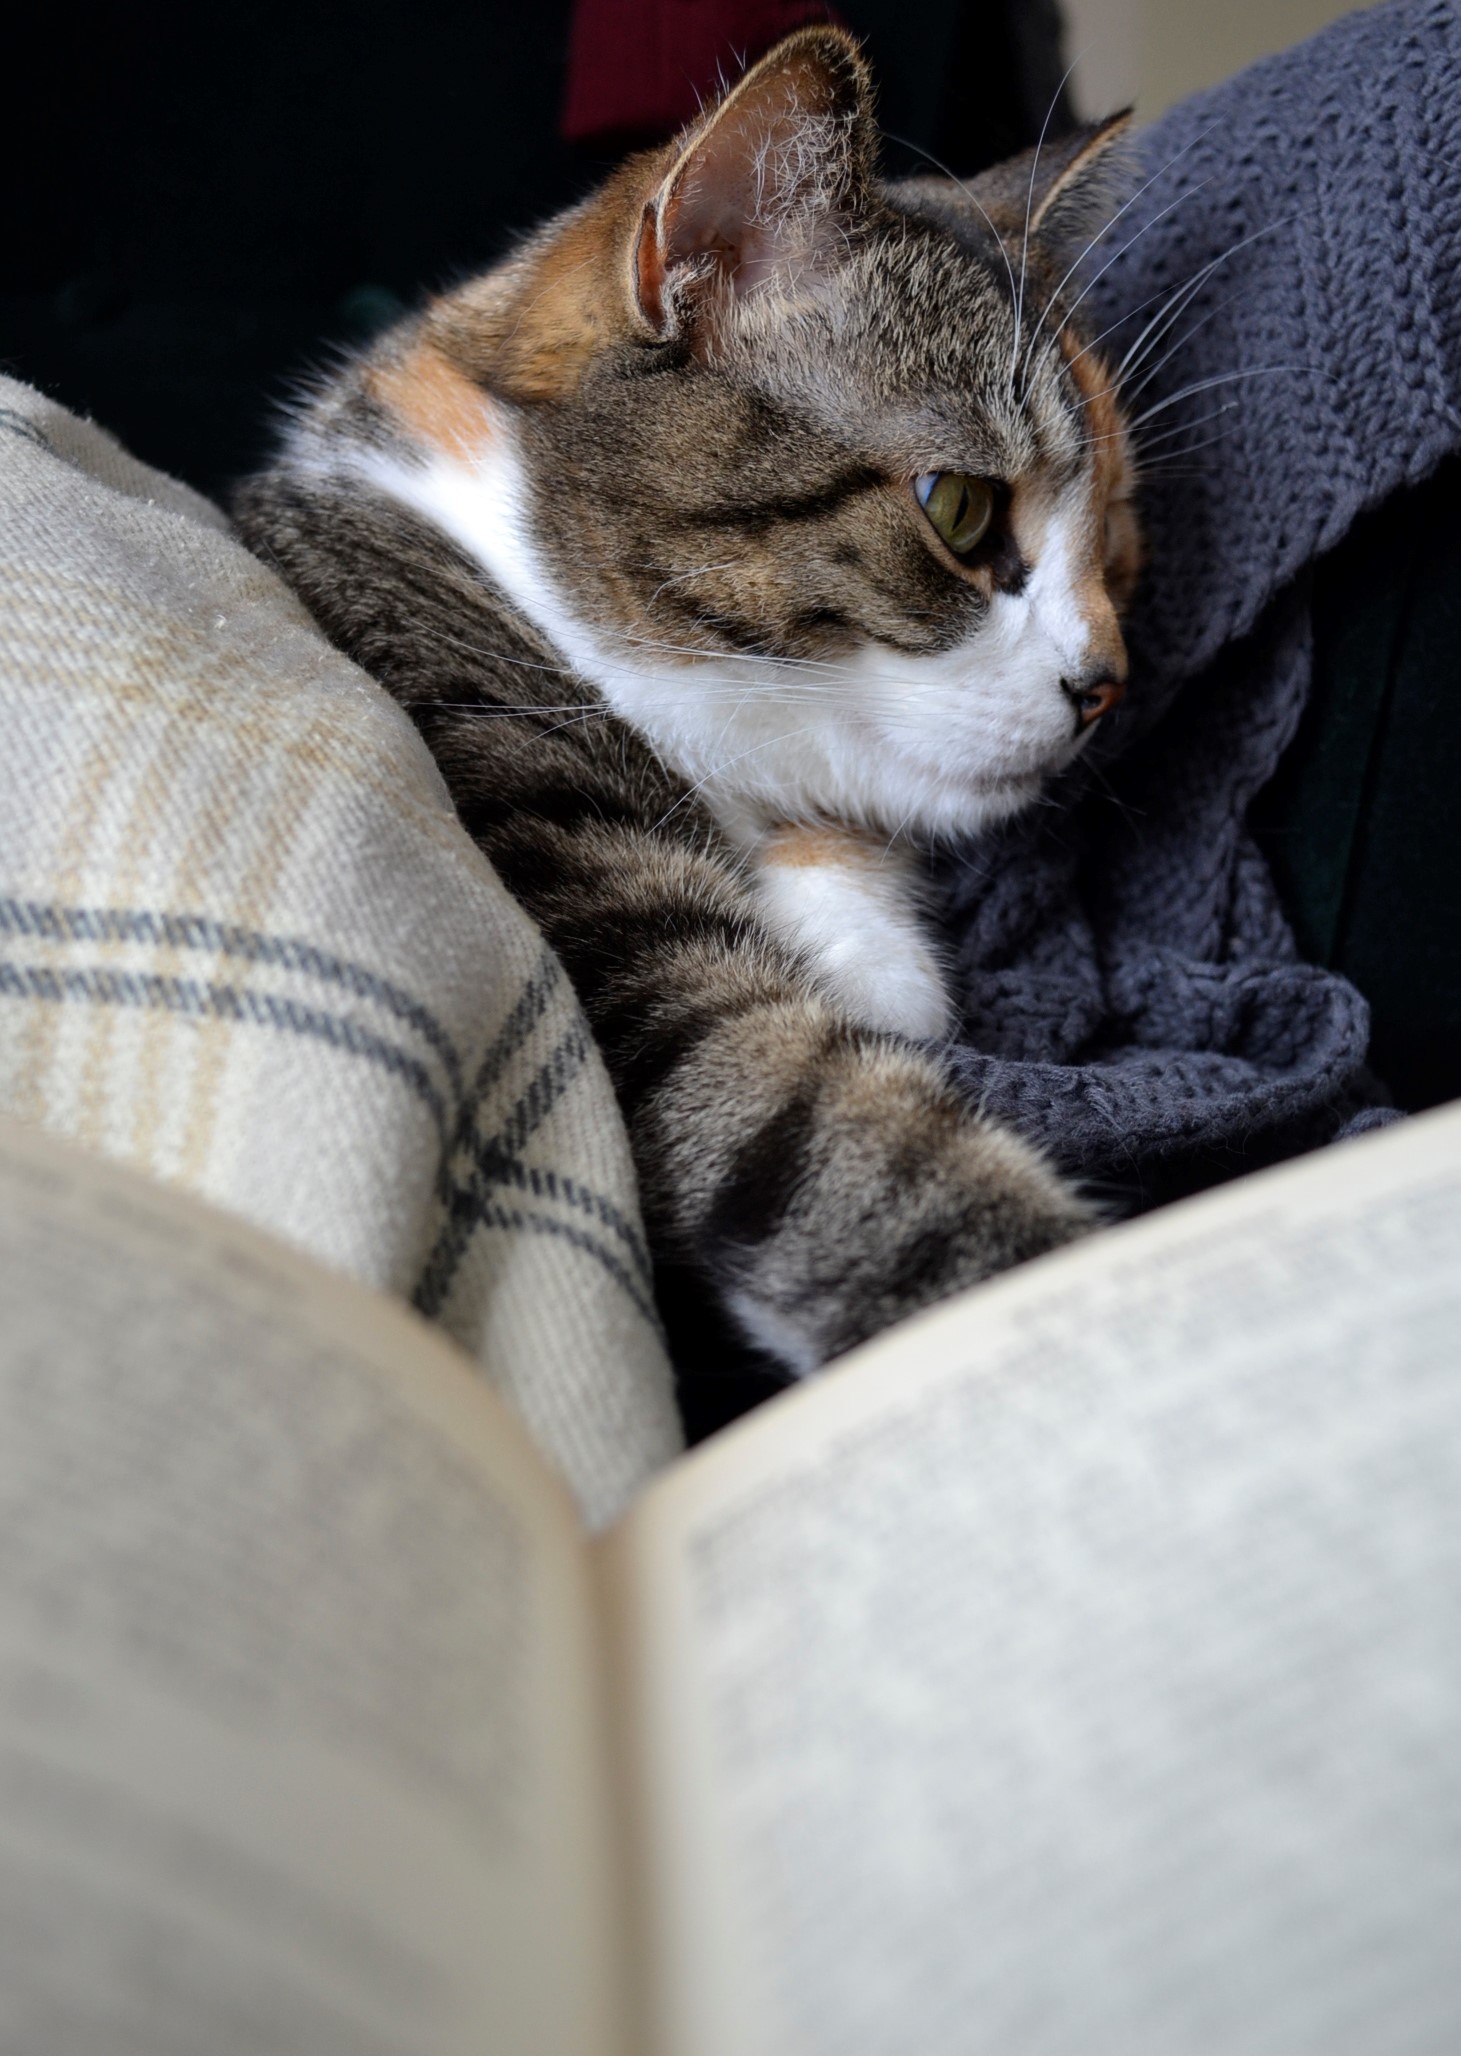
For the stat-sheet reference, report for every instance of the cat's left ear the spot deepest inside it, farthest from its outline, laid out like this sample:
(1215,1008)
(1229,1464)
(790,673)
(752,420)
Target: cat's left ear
(1065,190)
(764,185)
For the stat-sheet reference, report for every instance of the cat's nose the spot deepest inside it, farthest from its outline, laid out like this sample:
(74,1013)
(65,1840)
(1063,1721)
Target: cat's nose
(1092,698)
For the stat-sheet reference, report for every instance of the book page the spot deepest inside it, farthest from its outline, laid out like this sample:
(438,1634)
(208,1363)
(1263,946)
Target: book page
(300,1732)
(1079,1668)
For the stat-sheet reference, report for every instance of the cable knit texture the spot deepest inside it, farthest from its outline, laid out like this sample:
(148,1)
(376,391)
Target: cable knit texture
(1133,997)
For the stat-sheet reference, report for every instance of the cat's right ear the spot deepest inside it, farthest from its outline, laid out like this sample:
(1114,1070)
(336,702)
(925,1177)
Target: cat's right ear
(763,188)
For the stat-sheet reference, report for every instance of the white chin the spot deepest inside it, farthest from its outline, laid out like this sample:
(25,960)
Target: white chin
(1007,796)
(985,801)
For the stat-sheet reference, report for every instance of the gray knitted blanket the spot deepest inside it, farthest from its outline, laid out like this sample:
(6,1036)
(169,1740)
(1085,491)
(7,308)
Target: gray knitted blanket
(1133,996)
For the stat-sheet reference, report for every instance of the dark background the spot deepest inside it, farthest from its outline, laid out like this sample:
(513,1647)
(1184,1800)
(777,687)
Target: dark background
(209,198)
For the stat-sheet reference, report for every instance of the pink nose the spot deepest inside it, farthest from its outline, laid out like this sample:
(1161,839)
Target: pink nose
(1092,701)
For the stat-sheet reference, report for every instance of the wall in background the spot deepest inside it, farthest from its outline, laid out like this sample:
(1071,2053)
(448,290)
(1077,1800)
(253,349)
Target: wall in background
(1153,52)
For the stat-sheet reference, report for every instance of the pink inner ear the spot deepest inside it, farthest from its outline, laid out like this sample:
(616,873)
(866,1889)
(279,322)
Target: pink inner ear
(735,192)
(753,191)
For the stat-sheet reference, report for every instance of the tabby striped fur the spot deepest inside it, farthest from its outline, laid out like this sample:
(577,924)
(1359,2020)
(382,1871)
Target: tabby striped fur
(505,512)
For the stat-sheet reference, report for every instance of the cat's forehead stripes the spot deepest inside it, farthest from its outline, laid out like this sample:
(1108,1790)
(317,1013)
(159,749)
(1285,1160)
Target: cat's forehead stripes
(441,409)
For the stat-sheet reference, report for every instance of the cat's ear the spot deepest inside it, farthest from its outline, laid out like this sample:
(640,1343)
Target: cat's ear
(1062,194)
(764,184)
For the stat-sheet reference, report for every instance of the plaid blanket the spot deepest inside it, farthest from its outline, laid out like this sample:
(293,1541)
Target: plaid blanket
(245,947)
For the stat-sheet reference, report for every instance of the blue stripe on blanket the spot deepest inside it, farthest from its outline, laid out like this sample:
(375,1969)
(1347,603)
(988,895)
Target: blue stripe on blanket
(544,1184)
(492,1162)
(191,997)
(472,1202)
(55,923)
(496,1216)
(16,424)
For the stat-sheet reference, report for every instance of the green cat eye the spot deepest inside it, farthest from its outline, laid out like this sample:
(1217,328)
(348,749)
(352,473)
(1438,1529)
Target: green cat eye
(960,507)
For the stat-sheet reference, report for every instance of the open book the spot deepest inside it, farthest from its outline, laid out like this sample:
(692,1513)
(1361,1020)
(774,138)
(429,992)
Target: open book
(1077,1668)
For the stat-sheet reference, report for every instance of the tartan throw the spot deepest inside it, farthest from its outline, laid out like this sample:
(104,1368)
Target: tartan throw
(246,947)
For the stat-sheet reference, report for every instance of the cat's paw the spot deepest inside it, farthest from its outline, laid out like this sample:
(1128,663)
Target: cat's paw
(867,1198)
(904,1241)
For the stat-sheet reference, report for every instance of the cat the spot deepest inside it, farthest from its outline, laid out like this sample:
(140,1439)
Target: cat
(756,526)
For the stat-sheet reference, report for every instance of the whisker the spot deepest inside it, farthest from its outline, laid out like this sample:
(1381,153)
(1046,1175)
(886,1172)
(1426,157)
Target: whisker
(1132,429)
(1029,208)
(1131,360)
(495,707)
(1198,278)
(1145,466)
(1132,814)
(1161,324)
(648,642)
(494,656)
(1117,255)
(579,720)
(1206,385)
(1054,296)
(700,784)
(804,670)
(699,571)
(1182,427)
(1155,369)
(1132,312)
(887,850)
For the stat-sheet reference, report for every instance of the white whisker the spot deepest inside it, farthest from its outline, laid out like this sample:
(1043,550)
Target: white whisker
(1155,369)
(1117,255)
(694,791)
(678,577)
(1197,278)
(1206,385)
(1106,230)
(1145,466)
(1029,208)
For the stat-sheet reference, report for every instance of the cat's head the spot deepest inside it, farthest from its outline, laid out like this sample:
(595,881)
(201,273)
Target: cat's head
(809,472)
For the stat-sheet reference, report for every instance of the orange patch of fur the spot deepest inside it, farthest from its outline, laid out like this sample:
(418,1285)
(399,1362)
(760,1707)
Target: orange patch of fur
(529,329)
(1117,546)
(439,404)
(797,845)
(1103,419)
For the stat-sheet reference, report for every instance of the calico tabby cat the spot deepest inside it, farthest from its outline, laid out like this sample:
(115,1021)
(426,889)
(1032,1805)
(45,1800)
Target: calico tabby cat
(751,528)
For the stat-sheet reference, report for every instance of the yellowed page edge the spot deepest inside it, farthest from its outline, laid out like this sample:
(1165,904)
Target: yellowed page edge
(547,1956)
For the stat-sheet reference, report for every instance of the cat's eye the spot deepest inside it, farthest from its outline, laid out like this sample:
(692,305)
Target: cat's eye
(960,507)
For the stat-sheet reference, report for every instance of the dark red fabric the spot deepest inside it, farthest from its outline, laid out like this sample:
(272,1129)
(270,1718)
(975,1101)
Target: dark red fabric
(639,68)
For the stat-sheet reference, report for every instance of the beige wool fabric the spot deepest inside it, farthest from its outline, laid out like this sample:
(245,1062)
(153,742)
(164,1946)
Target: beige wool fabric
(246,947)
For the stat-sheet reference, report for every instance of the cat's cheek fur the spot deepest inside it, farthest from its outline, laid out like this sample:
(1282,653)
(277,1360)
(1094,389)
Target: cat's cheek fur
(847,906)
(990,717)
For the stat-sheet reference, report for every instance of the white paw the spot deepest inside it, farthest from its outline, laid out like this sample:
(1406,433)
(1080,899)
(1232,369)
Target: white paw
(855,923)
